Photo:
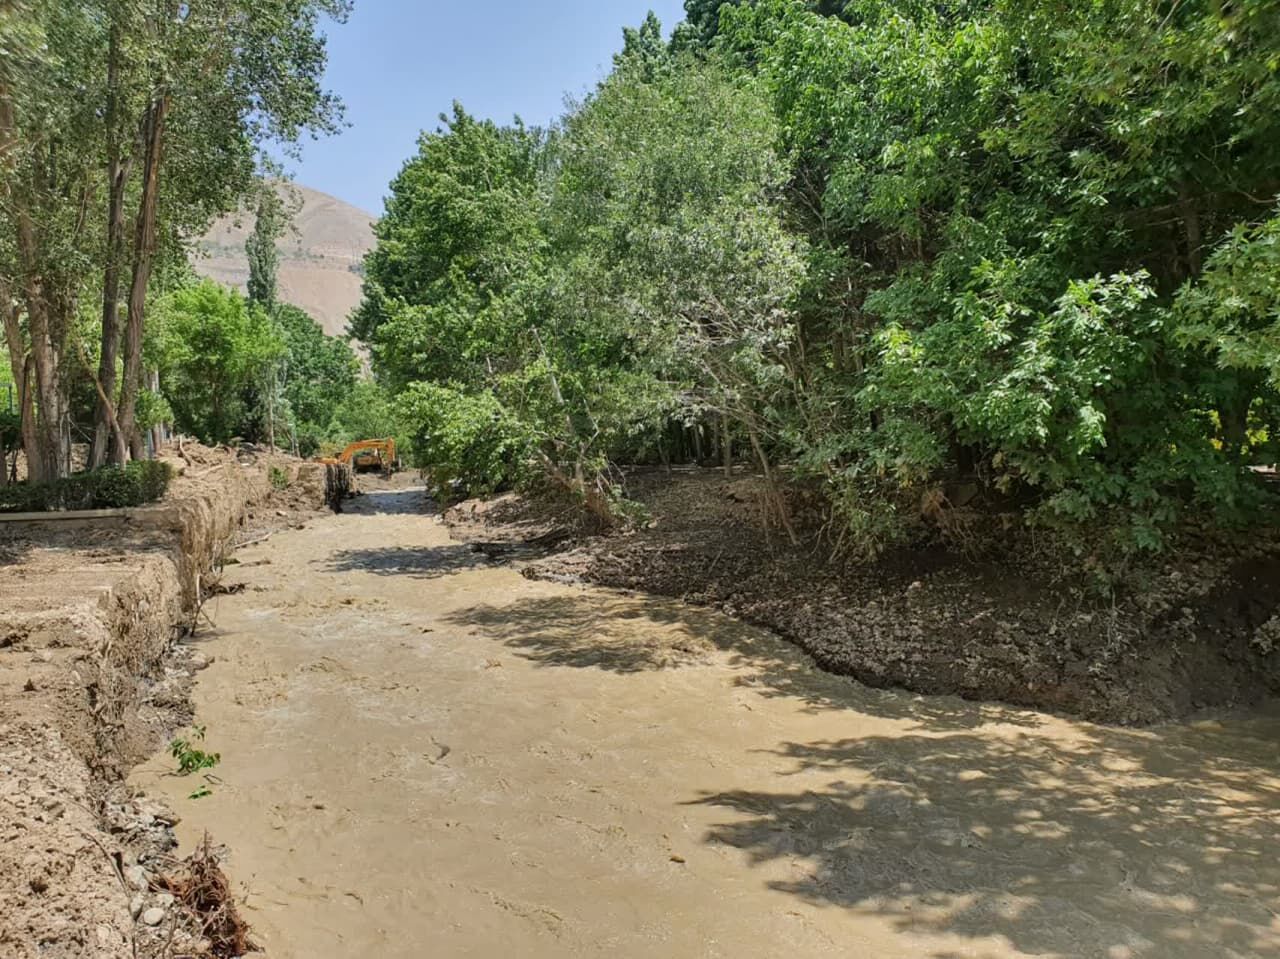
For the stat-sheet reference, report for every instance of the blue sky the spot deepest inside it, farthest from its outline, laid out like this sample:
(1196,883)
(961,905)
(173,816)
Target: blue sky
(398,64)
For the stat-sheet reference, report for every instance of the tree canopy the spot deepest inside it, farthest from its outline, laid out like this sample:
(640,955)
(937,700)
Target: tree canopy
(125,128)
(895,249)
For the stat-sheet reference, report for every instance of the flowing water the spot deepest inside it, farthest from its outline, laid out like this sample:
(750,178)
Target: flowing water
(425,754)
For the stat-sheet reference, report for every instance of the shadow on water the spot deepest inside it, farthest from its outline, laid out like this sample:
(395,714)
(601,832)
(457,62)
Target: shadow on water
(1122,844)
(621,633)
(974,820)
(413,501)
(426,563)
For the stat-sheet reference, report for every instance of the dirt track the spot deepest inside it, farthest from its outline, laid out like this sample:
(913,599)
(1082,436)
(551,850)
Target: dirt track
(426,754)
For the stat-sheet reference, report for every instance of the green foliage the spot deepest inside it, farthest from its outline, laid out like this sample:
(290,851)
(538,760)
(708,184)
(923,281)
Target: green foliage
(368,411)
(1233,313)
(318,374)
(10,430)
(128,127)
(1002,200)
(459,233)
(214,347)
(112,487)
(260,248)
(1026,247)
(153,409)
(278,477)
(563,289)
(465,439)
(191,758)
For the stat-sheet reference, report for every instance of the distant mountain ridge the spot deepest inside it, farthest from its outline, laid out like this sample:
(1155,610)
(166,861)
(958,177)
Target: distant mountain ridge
(321,257)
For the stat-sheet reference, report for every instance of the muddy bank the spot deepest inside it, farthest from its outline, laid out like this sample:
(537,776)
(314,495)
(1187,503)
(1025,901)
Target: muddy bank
(93,677)
(1016,624)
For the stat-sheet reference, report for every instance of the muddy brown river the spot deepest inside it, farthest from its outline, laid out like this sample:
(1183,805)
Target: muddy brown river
(425,754)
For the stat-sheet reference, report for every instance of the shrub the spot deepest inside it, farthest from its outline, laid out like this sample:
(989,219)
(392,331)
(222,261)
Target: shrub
(463,438)
(112,487)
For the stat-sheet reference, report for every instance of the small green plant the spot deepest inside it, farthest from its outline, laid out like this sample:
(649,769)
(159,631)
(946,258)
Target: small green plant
(190,757)
(279,478)
(201,793)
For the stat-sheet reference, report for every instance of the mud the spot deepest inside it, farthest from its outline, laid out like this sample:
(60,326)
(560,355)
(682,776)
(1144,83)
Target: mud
(426,753)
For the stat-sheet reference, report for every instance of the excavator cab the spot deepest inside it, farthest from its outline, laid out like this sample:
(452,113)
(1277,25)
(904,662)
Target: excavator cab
(368,455)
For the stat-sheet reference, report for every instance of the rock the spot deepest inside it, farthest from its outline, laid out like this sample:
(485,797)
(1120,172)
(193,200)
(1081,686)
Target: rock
(165,900)
(153,916)
(135,906)
(136,877)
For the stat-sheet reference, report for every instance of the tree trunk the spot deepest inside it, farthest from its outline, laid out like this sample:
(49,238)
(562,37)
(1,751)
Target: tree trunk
(26,404)
(51,461)
(775,493)
(726,446)
(20,367)
(157,430)
(43,441)
(271,412)
(108,443)
(144,255)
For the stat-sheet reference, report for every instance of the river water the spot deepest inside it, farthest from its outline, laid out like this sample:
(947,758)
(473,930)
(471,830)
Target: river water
(425,754)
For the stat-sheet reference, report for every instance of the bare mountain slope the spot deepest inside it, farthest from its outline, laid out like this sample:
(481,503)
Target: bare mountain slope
(320,257)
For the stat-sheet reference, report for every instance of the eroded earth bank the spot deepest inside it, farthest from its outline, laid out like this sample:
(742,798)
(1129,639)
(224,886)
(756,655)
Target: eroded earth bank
(94,674)
(426,753)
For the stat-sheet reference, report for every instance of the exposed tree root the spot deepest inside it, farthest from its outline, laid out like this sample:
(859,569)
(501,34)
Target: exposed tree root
(200,885)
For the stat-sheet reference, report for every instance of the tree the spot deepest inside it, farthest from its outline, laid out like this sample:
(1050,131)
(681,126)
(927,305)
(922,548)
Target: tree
(1002,200)
(1023,250)
(48,142)
(577,292)
(146,113)
(256,63)
(214,349)
(319,374)
(260,248)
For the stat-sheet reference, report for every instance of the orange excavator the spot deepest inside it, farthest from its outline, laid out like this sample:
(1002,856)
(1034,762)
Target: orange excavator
(368,455)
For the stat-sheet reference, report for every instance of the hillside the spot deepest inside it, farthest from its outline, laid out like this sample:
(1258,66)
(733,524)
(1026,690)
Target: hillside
(320,258)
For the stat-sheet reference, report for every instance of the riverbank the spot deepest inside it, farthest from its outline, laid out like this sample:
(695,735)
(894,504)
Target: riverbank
(1014,622)
(94,675)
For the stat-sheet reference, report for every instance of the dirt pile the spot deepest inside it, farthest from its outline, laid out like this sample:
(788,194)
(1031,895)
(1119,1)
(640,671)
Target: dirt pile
(1015,624)
(91,681)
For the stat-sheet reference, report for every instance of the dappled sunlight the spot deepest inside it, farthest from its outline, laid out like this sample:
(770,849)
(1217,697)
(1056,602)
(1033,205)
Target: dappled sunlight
(1030,837)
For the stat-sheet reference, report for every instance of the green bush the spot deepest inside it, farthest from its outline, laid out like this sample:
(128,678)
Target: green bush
(133,484)
(469,439)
